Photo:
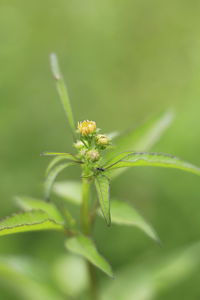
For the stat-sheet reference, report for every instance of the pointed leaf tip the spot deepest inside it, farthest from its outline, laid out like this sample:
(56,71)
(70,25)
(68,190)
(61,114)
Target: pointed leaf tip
(54,66)
(85,247)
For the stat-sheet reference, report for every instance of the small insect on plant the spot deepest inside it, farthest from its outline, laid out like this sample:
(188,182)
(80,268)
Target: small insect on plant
(101,158)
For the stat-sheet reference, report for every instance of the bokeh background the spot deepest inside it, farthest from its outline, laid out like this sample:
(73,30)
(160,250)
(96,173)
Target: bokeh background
(123,61)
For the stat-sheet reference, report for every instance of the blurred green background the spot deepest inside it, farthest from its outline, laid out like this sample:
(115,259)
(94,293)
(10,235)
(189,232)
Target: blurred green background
(123,61)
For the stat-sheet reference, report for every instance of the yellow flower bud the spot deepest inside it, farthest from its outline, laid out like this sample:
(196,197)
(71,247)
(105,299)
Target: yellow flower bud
(93,155)
(86,127)
(102,140)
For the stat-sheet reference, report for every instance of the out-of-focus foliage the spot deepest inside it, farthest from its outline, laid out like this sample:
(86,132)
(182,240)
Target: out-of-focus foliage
(123,61)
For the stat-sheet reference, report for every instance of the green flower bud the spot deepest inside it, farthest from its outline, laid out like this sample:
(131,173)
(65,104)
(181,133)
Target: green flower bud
(93,155)
(78,145)
(102,140)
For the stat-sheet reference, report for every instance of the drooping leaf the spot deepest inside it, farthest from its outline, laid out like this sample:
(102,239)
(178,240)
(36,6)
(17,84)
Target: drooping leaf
(28,221)
(28,203)
(85,247)
(154,160)
(52,176)
(143,137)
(62,91)
(102,188)
(68,190)
(124,214)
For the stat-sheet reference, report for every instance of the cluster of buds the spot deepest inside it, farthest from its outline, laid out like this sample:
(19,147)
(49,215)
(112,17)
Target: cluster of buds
(90,143)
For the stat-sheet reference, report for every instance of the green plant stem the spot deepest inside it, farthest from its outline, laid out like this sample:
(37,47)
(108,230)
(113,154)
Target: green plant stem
(86,225)
(85,207)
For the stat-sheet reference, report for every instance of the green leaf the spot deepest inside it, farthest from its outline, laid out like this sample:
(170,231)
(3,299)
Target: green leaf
(85,247)
(62,91)
(52,177)
(54,162)
(154,160)
(28,221)
(71,275)
(124,214)
(148,280)
(102,187)
(68,156)
(143,137)
(27,279)
(28,203)
(69,191)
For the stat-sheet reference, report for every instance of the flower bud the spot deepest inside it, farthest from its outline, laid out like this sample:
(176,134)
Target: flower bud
(78,145)
(86,127)
(93,155)
(102,140)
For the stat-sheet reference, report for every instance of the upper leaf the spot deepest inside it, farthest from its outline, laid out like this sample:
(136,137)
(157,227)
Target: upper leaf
(54,162)
(62,91)
(28,221)
(85,247)
(143,137)
(68,156)
(124,214)
(102,187)
(28,203)
(154,160)
(52,176)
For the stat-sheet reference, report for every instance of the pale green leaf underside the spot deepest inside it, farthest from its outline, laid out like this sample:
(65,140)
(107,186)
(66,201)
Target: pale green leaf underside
(85,247)
(29,203)
(124,214)
(69,191)
(154,160)
(52,177)
(28,221)
(143,137)
(102,188)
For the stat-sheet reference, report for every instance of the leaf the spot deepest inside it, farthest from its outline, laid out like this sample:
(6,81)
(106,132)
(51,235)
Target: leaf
(27,279)
(154,160)
(143,137)
(62,91)
(52,176)
(102,188)
(28,221)
(112,135)
(58,154)
(28,203)
(54,162)
(71,275)
(148,280)
(124,214)
(69,190)
(85,247)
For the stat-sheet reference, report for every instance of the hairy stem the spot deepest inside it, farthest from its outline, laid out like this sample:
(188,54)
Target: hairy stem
(86,225)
